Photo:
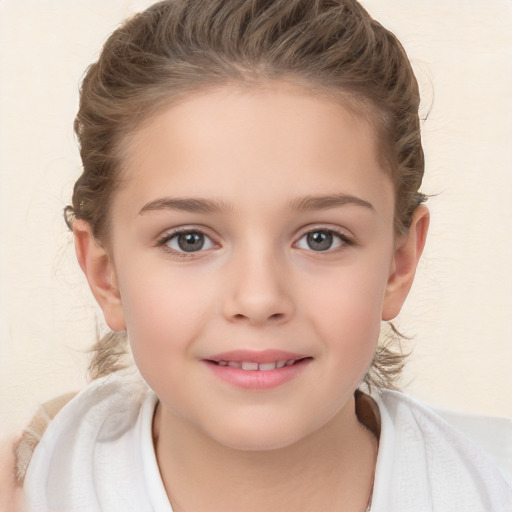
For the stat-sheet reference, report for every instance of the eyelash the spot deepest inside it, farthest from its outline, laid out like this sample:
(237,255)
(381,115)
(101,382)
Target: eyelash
(167,237)
(344,240)
(162,242)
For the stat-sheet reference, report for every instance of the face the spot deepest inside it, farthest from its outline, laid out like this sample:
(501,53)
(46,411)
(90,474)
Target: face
(252,246)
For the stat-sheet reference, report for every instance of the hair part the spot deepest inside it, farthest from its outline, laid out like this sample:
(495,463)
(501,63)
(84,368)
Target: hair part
(179,47)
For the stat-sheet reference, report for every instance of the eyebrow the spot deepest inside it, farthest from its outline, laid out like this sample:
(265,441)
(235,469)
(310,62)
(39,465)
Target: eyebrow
(191,205)
(325,202)
(302,204)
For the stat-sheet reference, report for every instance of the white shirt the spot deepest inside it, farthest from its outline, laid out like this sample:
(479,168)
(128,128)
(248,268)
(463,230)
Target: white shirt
(97,455)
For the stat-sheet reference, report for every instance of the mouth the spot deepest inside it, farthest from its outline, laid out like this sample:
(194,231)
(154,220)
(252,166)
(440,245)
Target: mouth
(254,366)
(255,370)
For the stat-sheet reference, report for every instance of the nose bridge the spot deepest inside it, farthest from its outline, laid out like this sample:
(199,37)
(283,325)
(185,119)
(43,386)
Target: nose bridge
(258,291)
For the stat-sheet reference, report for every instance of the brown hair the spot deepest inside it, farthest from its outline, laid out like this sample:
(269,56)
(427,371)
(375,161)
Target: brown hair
(179,46)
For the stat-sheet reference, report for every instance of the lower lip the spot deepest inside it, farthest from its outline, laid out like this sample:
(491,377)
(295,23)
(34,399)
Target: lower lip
(257,379)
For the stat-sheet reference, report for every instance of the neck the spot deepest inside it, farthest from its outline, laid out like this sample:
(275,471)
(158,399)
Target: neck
(330,470)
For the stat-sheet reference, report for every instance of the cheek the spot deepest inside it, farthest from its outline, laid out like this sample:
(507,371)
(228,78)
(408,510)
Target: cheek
(348,312)
(164,313)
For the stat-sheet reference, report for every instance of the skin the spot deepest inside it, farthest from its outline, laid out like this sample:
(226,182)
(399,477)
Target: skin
(257,157)
(11,499)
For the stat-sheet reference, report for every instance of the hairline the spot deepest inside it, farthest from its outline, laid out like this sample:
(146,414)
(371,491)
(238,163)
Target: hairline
(357,104)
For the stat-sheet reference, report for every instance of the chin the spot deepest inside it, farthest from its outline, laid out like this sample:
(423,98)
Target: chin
(259,433)
(258,441)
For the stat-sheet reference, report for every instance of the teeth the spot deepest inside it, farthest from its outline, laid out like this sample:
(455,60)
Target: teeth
(265,367)
(253,366)
(246,365)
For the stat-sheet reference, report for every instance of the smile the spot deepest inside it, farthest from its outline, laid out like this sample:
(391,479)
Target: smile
(255,366)
(257,370)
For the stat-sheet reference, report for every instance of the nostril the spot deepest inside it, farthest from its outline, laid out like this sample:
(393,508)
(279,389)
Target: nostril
(275,317)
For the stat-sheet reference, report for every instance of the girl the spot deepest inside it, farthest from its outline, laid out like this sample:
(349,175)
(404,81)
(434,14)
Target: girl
(248,214)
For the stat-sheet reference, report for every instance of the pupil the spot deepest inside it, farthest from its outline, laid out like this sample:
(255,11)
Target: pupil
(320,240)
(190,242)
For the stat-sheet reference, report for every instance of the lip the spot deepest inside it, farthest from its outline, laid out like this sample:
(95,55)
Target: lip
(257,379)
(257,356)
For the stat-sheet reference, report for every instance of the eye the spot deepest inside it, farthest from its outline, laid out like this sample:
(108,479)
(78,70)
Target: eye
(187,241)
(322,240)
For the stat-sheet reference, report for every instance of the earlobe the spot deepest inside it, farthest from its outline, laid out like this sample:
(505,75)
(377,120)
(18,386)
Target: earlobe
(98,268)
(408,251)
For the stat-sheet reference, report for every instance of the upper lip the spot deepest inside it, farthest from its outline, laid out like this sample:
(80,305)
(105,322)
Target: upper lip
(256,356)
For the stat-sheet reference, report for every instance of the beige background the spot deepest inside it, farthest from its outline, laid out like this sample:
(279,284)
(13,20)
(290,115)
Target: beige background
(460,310)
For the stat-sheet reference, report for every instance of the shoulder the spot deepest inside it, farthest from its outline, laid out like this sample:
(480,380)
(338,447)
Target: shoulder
(424,459)
(490,435)
(105,408)
(30,437)
(95,436)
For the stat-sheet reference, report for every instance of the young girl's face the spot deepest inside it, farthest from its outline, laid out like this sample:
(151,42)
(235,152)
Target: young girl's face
(253,229)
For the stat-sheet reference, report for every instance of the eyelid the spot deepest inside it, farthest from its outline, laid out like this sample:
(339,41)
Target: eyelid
(162,240)
(346,237)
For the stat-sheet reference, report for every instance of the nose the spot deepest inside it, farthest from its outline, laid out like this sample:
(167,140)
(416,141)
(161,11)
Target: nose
(258,292)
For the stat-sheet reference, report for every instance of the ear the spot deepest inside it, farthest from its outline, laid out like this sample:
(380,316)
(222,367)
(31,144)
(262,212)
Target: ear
(408,250)
(98,268)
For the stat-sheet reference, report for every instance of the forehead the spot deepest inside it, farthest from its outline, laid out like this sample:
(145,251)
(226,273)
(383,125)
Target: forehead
(274,139)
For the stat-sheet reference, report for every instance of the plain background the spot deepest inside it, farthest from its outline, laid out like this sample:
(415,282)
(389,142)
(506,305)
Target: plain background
(460,310)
